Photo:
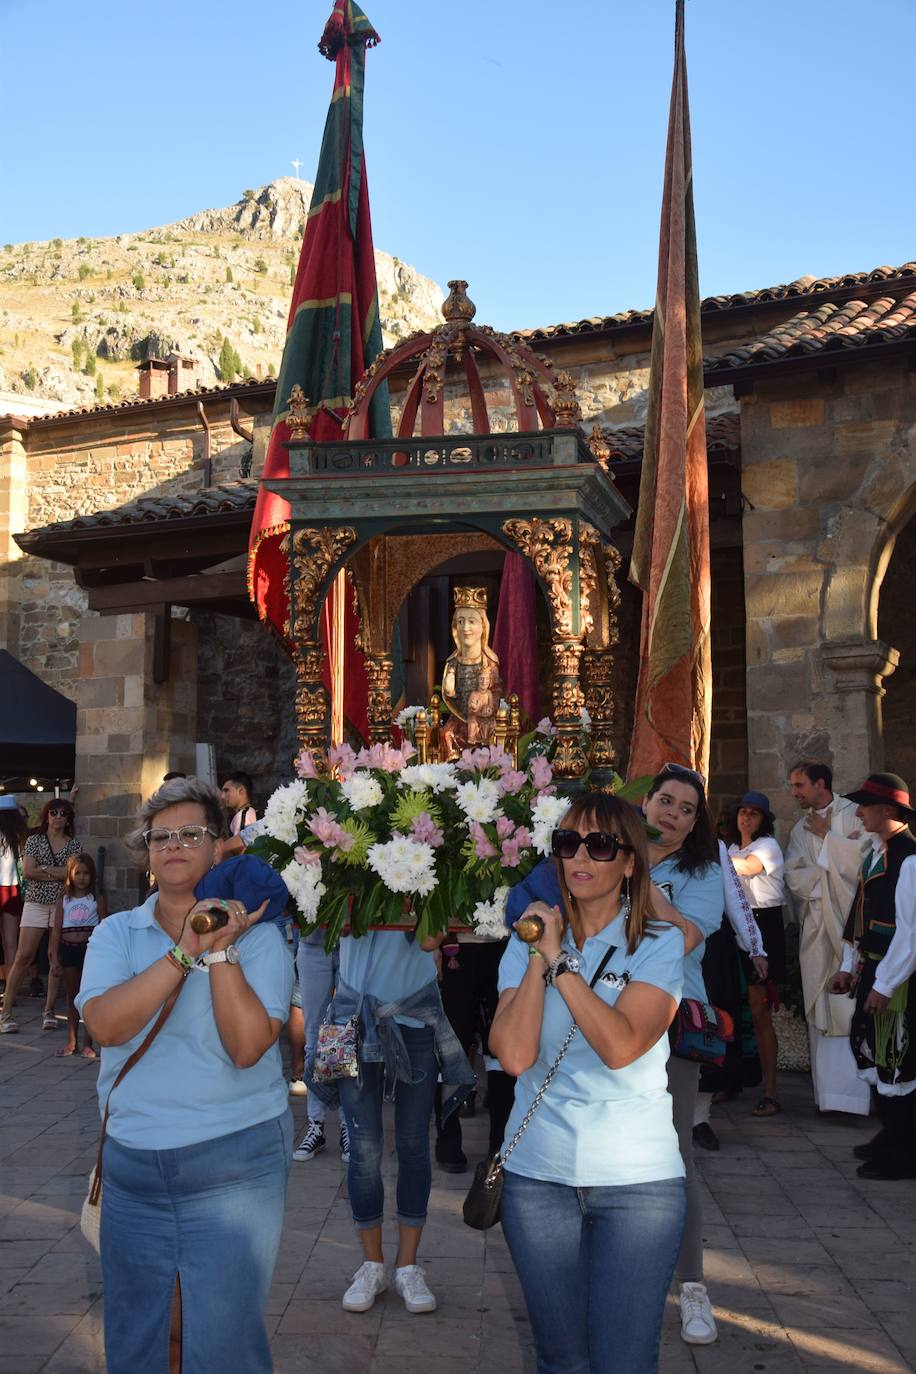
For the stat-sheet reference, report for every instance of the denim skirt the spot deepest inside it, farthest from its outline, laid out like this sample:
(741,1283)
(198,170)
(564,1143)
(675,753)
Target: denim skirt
(210,1216)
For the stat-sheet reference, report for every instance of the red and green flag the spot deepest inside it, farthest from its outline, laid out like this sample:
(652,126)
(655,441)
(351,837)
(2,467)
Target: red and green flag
(333,333)
(670,560)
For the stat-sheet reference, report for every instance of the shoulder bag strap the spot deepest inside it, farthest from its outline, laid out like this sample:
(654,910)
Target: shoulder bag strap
(551,1073)
(139,1052)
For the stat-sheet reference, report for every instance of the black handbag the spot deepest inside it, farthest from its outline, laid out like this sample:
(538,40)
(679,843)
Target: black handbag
(484,1199)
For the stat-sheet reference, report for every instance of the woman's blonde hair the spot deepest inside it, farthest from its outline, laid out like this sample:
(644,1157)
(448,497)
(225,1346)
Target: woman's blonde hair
(606,813)
(173,793)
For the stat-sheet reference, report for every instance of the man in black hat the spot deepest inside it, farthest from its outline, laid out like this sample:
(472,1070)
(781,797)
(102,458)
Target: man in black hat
(880,959)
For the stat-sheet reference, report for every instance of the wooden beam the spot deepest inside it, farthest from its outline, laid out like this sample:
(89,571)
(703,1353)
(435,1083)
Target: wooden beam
(179,591)
(162,641)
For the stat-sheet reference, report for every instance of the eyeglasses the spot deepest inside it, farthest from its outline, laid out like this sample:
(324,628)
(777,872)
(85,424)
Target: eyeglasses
(603,848)
(189,837)
(677,770)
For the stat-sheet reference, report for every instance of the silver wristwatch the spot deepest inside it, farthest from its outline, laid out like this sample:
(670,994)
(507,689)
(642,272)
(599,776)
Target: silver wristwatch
(566,963)
(229,955)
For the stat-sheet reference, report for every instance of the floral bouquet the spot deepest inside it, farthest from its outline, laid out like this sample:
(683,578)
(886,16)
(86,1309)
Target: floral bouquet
(374,839)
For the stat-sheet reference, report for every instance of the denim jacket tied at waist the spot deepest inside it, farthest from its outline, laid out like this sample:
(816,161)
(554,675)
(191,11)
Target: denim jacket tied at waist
(381,1041)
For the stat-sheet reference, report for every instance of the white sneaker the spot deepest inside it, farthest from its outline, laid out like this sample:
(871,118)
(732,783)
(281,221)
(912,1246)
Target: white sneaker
(311,1143)
(368,1281)
(297,1087)
(698,1326)
(344,1144)
(410,1284)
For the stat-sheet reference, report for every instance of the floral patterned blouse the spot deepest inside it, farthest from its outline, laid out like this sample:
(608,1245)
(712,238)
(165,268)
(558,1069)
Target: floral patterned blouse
(38,846)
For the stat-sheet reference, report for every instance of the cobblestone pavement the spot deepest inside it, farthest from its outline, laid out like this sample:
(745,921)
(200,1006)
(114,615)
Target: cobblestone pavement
(809,1267)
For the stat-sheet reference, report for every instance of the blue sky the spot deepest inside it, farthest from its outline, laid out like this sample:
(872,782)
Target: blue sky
(518,143)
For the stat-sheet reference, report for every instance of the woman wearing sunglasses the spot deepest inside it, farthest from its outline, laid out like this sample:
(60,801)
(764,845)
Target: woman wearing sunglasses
(688,891)
(199,1134)
(593,1197)
(44,867)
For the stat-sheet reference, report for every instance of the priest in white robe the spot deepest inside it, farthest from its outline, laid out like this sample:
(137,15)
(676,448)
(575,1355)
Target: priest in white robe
(822,866)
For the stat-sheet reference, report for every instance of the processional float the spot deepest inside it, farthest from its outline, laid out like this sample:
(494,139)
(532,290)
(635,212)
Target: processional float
(391,510)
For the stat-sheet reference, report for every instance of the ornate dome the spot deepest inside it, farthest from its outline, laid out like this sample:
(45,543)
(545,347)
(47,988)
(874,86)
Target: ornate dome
(543,397)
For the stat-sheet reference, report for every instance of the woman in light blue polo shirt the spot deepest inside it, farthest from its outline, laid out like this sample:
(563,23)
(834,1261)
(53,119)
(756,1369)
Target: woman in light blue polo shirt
(199,1136)
(593,1199)
(684,854)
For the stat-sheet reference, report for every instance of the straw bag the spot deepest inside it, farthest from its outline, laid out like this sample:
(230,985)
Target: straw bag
(91,1214)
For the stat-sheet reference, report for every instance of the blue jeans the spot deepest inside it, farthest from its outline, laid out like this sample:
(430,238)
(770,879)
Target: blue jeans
(361,1100)
(317,981)
(595,1265)
(210,1216)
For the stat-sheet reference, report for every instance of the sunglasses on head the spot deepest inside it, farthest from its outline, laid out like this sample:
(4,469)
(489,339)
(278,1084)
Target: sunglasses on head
(677,770)
(600,846)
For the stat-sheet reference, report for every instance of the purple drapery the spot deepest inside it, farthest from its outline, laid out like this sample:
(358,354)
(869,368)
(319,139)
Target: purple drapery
(515,635)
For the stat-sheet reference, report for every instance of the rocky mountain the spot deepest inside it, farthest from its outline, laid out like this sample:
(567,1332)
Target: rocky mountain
(76,315)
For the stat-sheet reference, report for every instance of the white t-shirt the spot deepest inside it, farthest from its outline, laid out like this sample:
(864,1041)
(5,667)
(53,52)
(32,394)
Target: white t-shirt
(766,888)
(8,875)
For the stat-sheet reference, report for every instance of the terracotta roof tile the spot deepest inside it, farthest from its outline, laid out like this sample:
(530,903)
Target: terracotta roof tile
(804,287)
(197,393)
(237,497)
(723,435)
(827,329)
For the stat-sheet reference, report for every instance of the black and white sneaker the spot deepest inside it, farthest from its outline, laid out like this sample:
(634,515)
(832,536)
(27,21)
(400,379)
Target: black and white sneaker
(311,1144)
(344,1144)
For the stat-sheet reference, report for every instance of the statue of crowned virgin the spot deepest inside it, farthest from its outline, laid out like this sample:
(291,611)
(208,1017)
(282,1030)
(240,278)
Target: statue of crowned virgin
(471,684)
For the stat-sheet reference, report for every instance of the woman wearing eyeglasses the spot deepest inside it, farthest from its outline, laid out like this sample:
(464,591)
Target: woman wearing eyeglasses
(686,872)
(593,1199)
(44,867)
(199,1136)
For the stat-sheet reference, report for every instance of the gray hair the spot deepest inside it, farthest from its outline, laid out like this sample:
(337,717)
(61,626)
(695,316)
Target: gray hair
(173,793)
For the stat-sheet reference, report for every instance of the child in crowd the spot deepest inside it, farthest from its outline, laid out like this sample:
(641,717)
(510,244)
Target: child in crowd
(79,909)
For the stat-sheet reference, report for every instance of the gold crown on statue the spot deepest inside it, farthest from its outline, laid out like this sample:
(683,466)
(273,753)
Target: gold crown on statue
(471,598)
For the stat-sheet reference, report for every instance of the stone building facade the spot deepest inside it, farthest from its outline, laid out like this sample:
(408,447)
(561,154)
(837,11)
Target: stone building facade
(811,406)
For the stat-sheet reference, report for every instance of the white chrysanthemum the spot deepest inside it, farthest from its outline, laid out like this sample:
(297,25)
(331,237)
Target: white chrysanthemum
(429,777)
(479,800)
(489,918)
(404,865)
(406,717)
(285,810)
(305,887)
(362,790)
(546,813)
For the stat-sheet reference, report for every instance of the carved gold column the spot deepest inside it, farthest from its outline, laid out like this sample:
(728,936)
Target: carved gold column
(548,544)
(378,672)
(312,704)
(316,552)
(601,562)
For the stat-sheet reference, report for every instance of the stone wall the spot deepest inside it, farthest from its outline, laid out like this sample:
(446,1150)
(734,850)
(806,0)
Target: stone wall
(897,626)
(245,700)
(828,465)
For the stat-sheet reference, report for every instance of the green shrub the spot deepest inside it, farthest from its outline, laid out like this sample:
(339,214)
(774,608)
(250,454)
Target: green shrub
(31,379)
(100,388)
(230,364)
(57,243)
(260,265)
(84,271)
(75,313)
(89,366)
(248,194)
(138,281)
(229,276)
(256,324)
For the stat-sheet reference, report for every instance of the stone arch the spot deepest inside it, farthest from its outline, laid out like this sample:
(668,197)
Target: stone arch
(895,625)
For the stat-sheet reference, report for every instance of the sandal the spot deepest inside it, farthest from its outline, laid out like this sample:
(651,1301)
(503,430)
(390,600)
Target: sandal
(49,1021)
(64,1053)
(8,1026)
(87,1052)
(767,1106)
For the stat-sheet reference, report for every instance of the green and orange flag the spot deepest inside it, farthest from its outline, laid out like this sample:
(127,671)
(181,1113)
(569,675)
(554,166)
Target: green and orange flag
(670,560)
(334,330)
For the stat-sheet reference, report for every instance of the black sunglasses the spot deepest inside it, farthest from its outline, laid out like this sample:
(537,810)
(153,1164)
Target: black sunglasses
(603,848)
(58,811)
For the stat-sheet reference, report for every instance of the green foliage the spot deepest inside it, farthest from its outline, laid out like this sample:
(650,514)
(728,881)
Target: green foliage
(82,242)
(248,194)
(100,387)
(256,324)
(114,391)
(75,313)
(7,248)
(411,804)
(31,379)
(89,365)
(229,364)
(292,274)
(260,265)
(84,271)
(77,347)
(271,370)
(229,276)
(57,243)
(138,281)
(108,275)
